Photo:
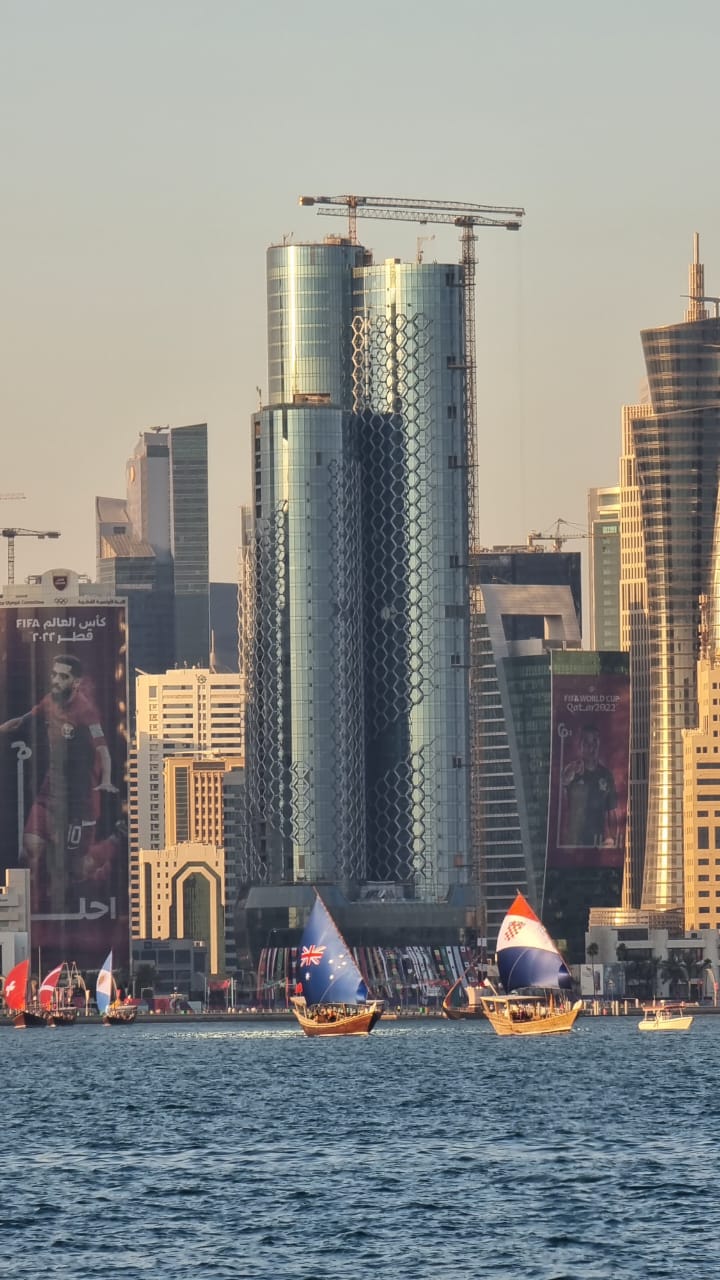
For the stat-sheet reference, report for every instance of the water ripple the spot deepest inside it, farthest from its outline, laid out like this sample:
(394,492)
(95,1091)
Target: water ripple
(426,1152)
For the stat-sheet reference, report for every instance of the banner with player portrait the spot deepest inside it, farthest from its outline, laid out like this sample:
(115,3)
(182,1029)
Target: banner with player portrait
(589,763)
(63,775)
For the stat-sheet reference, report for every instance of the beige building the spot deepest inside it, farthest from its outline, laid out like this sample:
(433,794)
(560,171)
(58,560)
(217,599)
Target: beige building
(701,804)
(182,895)
(14,918)
(191,714)
(194,798)
(634,637)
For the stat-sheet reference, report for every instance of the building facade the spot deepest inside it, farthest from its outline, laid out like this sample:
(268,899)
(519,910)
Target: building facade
(676,450)
(358,747)
(153,547)
(182,895)
(634,639)
(604,567)
(701,804)
(193,716)
(516,620)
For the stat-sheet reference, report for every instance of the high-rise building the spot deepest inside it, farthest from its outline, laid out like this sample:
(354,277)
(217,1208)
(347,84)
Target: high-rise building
(524,604)
(676,451)
(190,715)
(634,639)
(153,548)
(604,567)
(358,750)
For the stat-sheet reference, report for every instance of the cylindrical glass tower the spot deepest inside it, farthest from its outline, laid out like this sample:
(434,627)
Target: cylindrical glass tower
(409,394)
(677,448)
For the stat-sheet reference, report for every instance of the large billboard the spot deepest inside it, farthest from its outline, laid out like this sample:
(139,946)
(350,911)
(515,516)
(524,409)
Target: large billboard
(63,775)
(590,752)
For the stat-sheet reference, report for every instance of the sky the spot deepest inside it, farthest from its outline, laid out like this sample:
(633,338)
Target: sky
(153,149)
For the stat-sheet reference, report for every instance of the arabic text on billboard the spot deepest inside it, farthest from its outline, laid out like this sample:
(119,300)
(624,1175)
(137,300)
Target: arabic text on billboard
(63,774)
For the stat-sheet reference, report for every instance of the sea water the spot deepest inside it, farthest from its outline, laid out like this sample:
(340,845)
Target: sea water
(427,1151)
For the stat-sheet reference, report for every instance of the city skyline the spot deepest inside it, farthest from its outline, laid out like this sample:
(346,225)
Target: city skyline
(140,206)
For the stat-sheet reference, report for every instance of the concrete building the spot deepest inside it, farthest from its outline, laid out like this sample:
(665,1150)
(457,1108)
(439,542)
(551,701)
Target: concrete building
(195,716)
(14,918)
(701,804)
(182,895)
(358,735)
(604,567)
(635,640)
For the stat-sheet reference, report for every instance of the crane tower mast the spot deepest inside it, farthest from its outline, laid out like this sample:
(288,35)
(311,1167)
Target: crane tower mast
(467,217)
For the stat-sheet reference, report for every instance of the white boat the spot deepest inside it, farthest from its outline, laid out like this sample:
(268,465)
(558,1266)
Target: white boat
(665,1017)
(529,962)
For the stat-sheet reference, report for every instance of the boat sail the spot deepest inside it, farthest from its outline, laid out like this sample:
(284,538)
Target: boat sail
(26,1013)
(48,986)
(58,1015)
(331,997)
(528,960)
(113,1012)
(463,999)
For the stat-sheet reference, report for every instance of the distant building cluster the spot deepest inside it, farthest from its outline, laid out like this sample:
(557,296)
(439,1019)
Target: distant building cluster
(379,707)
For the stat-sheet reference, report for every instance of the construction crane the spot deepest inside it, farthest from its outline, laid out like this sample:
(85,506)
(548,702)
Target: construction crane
(11,497)
(12,534)
(458,214)
(555,536)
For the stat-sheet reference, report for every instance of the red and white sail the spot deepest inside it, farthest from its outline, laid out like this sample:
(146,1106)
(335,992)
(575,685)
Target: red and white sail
(16,985)
(48,986)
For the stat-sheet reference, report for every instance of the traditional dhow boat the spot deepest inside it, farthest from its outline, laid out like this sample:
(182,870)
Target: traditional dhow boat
(464,999)
(331,997)
(665,1017)
(56,1013)
(534,976)
(114,1013)
(16,991)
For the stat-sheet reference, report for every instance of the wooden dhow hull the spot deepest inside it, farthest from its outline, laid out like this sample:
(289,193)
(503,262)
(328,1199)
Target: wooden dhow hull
(543,1020)
(121,1017)
(25,1018)
(333,1022)
(62,1018)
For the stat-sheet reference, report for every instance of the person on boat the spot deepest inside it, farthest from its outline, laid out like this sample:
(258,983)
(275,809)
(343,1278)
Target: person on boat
(589,797)
(59,832)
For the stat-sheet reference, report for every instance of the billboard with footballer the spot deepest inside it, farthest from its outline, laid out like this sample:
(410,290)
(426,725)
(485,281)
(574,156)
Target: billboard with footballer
(589,763)
(63,774)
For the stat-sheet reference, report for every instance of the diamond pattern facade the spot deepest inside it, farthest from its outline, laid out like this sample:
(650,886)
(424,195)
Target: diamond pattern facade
(357,681)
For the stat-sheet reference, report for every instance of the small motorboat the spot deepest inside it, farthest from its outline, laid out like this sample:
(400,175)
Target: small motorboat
(665,1017)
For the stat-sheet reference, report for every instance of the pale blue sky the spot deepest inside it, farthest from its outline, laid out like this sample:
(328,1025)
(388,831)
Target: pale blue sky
(152,149)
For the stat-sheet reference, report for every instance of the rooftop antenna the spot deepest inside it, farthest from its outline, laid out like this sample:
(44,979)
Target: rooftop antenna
(696,285)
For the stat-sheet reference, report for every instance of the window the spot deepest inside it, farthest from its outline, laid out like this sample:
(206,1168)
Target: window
(703,837)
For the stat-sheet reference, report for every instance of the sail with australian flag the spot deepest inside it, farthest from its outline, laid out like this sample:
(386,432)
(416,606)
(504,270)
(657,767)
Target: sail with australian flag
(331,997)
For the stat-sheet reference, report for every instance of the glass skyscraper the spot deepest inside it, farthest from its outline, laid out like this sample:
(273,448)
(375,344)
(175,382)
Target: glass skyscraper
(358,756)
(676,448)
(153,547)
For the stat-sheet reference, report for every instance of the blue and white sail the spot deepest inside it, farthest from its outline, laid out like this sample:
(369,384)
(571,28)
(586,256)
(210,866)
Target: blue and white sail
(326,969)
(526,954)
(104,986)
